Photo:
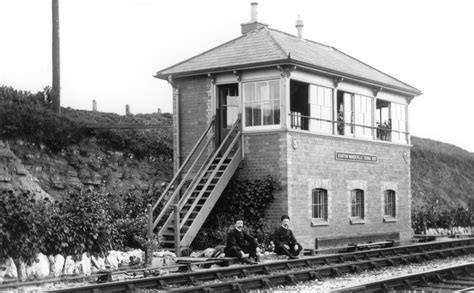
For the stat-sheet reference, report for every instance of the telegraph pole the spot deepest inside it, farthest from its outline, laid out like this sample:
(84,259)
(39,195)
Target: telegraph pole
(56,91)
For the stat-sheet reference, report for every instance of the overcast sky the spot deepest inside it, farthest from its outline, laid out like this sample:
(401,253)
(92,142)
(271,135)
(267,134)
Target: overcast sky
(110,49)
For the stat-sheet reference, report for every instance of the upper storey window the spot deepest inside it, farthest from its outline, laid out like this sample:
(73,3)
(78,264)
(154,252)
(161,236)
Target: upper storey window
(318,109)
(390,121)
(262,104)
(354,116)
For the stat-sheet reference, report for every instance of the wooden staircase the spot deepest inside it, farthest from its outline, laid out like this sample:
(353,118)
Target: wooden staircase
(190,196)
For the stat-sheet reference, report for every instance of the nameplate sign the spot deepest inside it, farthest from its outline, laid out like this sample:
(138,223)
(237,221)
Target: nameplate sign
(340,156)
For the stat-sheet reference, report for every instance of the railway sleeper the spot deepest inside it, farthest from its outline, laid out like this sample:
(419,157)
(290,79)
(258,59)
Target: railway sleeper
(374,265)
(291,279)
(459,282)
(238,288)
(191,280)
(315,276)
(266,283)
(356,269)
(336,272)
(131,288)
(444,286)
(266,270)
(162,284)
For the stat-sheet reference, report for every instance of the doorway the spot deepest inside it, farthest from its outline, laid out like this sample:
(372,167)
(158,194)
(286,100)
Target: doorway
(228,109)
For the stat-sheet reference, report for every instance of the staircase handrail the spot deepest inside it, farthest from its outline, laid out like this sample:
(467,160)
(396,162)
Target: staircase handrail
(176,176)
(226,154)
(183,180)
(205,166)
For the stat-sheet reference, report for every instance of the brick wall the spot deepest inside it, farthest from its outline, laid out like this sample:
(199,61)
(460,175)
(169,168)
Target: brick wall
(312,164)
(195,110)
(265,154)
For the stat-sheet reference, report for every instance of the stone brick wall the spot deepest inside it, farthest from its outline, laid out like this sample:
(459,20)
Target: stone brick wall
(312,164)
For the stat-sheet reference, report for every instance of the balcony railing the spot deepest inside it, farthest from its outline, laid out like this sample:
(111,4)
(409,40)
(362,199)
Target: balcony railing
(382,132)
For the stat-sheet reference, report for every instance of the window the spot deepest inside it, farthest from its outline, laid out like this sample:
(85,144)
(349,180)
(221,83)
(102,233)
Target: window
(320,105)
(262,103)
(354,116)
(363,116)
(320,204)
(357,203)
(383,121)
(389,203)
(398,121)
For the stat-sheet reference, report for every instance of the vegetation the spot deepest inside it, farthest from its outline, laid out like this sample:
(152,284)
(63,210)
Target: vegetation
(242,199)
(29,117)
(85,222)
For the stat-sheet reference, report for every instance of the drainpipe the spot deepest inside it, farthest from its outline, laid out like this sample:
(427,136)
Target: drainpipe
(177,163)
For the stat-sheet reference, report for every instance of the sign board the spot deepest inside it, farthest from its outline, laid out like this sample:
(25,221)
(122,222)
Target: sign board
(353,157)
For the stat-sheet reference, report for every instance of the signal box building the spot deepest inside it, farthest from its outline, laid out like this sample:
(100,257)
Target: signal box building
(331,129)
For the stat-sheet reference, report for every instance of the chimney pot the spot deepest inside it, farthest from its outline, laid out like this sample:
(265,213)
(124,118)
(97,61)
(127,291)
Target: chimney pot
(299,27)
(253,11)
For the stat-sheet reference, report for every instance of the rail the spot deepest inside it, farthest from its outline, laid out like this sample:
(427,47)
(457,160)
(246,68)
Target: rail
(272,274)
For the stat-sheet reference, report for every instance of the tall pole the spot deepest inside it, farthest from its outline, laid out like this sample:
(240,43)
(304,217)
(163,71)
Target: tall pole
(56,91)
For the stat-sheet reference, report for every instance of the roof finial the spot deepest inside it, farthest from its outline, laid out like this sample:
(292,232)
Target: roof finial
(299,27)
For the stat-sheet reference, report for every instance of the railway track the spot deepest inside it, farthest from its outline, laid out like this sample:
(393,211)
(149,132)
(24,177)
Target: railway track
(456,278)
(272,274)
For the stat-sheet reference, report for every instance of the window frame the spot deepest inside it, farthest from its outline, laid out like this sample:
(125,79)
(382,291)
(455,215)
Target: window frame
(354,217)
(245,102)
(323,206)
(393,203)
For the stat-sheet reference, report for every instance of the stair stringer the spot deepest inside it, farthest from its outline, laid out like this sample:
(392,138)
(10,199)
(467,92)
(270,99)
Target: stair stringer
(212,200)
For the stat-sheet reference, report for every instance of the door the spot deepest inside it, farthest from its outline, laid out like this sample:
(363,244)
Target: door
(228,109)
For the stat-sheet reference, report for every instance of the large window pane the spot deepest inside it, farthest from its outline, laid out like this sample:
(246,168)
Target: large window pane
(262,105)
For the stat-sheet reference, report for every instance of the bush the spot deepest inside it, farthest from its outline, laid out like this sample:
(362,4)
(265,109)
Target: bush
(24,226)
(426,216)
(85,222)
(245,199)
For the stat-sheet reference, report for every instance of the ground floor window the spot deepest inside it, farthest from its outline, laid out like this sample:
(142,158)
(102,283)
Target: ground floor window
(320,204)
(389,203)
(357,203)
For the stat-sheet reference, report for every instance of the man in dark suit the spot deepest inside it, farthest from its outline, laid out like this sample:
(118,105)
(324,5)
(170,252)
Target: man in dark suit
(284,240)
(241,245)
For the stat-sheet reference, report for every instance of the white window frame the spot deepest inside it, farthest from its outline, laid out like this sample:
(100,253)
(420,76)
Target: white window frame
(320,106)
(244,116)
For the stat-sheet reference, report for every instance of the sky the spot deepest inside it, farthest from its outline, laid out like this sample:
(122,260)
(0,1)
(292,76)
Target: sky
(110,49)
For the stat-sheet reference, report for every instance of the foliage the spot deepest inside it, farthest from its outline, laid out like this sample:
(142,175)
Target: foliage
(85,222)
(426,216)
(28,116)
(243,199)
(23,226)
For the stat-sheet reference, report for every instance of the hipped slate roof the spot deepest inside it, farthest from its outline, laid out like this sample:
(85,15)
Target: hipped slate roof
(265,46)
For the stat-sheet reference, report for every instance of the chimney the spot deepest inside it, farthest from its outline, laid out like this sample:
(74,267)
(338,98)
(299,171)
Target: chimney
(253,12)
(253,24)
(299,27)
(94,106)
(127,110)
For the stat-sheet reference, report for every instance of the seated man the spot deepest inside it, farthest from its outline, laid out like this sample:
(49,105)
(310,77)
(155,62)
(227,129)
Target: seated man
(285,241)
(240,244)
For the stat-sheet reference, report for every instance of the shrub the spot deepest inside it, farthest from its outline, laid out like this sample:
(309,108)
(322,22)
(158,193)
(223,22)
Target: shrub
(24,226)
(85,222)
(245,199)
